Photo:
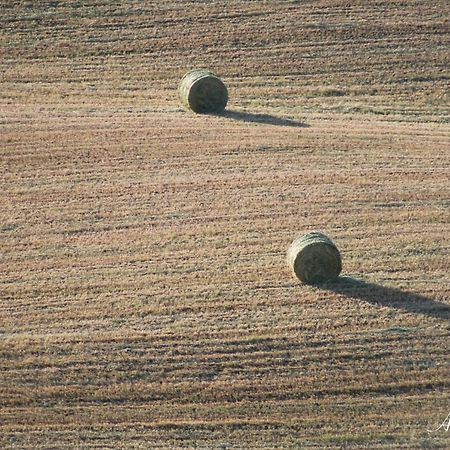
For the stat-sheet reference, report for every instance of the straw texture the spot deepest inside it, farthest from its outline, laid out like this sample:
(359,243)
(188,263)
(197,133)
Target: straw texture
(203,92)
(314,258)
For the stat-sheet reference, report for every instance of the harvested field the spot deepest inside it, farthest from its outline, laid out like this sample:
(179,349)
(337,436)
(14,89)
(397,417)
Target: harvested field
(145,299)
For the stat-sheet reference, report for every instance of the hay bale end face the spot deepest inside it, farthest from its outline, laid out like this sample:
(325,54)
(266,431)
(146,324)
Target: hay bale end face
(203,92)
(314,258)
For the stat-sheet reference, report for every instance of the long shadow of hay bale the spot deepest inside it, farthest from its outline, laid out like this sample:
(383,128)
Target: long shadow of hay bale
(263,118)
(387,296)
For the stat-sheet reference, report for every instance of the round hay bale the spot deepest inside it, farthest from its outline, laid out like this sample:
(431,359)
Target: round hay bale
(314,258)
(202,92)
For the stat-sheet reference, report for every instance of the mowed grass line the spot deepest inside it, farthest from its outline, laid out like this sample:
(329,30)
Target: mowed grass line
(384,59)
(128,308)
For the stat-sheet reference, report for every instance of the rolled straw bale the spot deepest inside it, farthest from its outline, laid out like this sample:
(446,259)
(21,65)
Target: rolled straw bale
(314,258)
(203,92)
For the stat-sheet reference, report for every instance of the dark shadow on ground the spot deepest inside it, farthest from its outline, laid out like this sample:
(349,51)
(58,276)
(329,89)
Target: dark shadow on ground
(387,296)
(263,118)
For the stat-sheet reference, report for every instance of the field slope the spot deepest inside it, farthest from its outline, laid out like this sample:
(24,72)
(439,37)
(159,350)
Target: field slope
(145,300)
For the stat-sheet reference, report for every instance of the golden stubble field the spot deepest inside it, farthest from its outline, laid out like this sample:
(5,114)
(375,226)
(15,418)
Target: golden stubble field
(145,300)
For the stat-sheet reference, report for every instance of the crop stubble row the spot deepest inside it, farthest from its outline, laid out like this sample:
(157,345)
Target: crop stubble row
(383,58)
(112,278)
